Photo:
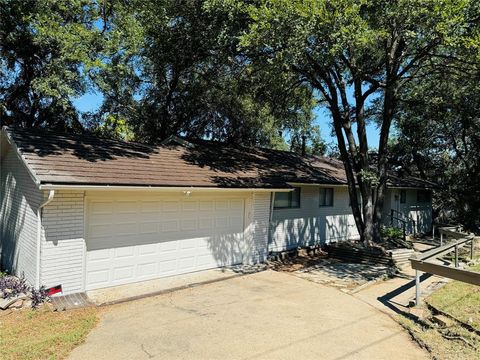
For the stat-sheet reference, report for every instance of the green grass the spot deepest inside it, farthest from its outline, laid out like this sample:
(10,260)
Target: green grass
(42,334)
(459,300)
(439,346)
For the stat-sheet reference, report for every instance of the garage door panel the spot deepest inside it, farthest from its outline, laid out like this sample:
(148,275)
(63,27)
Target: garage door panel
(188,224)
(99,255)
(136,240)
(206,205)
(170,225)
(123,229)
(167,266)
(123,273)
(221,205)
(150,207)
(190,206)
(101,207)
(148,249)
(122,252)
(98,278)
(148,228)
(169,206)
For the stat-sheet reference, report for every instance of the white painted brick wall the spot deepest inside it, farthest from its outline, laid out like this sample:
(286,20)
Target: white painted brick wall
(19,202)
(63,244)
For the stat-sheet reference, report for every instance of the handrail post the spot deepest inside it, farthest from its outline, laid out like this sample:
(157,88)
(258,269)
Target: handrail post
(441,238)
(417,287)
(472,245)
(404,232)
(456,255)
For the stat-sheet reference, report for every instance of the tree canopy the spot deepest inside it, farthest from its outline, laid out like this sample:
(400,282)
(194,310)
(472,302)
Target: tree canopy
(252,72)
(163,68)
(357,56)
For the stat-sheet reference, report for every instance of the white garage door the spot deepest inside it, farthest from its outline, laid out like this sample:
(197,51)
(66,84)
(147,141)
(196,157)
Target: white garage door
(136,240)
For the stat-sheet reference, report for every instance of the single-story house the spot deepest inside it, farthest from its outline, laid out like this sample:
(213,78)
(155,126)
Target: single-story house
(88,213)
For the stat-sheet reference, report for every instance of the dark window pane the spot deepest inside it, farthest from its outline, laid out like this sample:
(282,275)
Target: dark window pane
(403,196)
(281,200)
(285,200)
(326,197)
(295,198)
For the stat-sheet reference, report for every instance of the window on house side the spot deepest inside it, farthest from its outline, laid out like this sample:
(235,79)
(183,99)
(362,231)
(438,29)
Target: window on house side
(403,196)
(287,200)
(326,196)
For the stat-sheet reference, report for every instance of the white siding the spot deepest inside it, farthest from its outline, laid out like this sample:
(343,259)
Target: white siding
(19,202)
(63,244)
(311,224)
(420,212)
(260,225)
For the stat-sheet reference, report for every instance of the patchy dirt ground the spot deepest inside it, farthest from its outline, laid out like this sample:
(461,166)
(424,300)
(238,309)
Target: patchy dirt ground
(332,272)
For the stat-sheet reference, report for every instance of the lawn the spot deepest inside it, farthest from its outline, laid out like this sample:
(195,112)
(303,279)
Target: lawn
(43,334)
(459,300)
(452,348)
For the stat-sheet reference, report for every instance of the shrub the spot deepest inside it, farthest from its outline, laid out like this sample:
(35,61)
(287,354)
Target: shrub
(390,232)
(39,297)
(11,286)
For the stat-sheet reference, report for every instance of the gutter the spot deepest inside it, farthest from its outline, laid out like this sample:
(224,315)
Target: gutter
(51,194)
(157,188)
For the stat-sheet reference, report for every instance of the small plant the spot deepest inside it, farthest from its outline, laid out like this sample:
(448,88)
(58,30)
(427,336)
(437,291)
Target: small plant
(390,232)
(39,297)
(12,286)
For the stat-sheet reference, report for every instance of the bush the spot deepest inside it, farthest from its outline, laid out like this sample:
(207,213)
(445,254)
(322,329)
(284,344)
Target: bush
(39,297)
(11,286)
(390,232)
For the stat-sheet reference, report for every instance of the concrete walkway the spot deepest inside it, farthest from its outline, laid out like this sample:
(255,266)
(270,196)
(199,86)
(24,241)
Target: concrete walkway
(268,315)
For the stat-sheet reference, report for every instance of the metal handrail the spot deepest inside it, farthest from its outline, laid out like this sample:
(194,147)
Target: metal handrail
(409,219)
(422,263)
(403,227)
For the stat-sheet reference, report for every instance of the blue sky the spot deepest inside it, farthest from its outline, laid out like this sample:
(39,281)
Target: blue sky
(324,120)
(91,101)
(88,102)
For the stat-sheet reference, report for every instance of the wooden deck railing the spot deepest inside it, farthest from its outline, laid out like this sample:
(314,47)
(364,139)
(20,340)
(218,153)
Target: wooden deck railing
(425,263)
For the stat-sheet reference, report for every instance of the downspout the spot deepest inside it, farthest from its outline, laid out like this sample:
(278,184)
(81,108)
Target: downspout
(51,194)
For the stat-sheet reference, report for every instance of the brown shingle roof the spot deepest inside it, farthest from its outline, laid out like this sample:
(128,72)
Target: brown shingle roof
(58,158)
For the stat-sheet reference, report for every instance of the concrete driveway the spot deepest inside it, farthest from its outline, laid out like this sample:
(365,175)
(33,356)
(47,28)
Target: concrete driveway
(267,315)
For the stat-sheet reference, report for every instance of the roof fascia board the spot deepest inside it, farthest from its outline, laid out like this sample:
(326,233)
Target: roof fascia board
(156,188)
(345,185)
(20,156)
(316,184)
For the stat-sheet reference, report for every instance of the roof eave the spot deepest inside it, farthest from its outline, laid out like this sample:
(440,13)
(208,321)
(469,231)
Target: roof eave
(81,187)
